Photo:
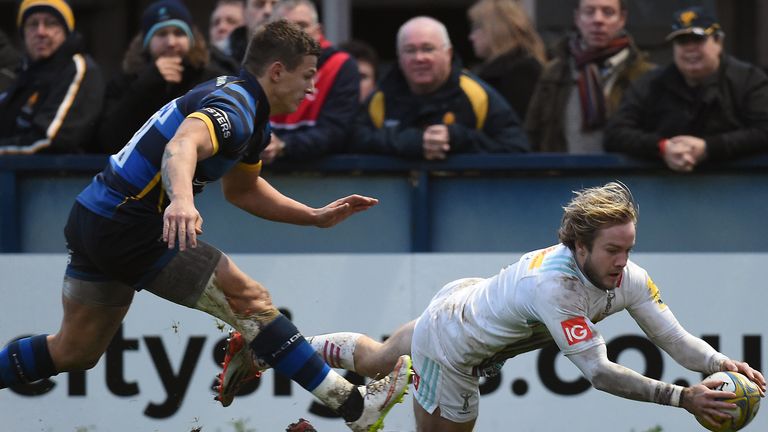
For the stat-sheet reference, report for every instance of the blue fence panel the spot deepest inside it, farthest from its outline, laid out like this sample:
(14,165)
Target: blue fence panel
(467,203)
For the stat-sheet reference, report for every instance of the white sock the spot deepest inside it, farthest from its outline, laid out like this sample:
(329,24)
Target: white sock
(337,349)
(333,390)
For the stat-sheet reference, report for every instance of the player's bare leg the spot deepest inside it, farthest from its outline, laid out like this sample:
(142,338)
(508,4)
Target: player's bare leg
(89,322)
(246,305)
(350,351)
(85,334)
(373,358)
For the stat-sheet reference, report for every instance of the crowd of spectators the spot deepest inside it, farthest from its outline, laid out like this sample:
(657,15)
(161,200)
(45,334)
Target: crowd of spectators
(594,91)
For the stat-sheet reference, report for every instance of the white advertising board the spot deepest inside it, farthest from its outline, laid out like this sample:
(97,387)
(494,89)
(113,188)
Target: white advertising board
(158,376)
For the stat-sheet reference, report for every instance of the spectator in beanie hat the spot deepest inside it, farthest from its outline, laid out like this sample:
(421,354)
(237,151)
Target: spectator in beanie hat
(164,61)
(54,103)
(163,14)
(59,9)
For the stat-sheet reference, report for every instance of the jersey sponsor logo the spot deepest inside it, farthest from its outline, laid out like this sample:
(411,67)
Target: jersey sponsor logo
(653,291)
(538,259)
(576,330)
(221,119)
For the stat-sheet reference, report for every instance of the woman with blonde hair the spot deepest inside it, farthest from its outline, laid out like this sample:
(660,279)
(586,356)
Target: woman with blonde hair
(512,52)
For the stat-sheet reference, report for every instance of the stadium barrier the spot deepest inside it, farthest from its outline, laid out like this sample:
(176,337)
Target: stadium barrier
(467,203)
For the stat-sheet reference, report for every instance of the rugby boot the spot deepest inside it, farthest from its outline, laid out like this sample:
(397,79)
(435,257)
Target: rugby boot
(239,367)
(379,396)
(303,425)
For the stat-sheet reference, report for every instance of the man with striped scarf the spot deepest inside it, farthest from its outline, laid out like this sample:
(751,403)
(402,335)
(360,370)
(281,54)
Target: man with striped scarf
(583,84)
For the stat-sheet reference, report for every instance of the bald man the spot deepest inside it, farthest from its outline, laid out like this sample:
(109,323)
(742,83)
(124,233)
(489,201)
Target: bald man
(428,107)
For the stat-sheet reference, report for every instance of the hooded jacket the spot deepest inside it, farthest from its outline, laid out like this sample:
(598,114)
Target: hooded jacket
(140,90)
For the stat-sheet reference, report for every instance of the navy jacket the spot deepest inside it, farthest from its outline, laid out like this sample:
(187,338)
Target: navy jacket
(479,119)
(320,125)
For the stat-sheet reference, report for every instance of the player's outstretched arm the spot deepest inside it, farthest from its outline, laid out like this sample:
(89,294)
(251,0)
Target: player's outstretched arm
(695,354)
(250,192)
(342,208)
(618,380)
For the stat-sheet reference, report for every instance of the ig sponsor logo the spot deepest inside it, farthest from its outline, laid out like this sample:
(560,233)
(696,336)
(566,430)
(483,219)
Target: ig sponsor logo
(576,330)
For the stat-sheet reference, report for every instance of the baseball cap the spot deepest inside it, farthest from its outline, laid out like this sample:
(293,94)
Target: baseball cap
(693,20)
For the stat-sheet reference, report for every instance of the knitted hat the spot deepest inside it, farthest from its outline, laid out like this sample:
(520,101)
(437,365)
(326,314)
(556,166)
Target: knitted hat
(693,20)
(166,13)
(58,8)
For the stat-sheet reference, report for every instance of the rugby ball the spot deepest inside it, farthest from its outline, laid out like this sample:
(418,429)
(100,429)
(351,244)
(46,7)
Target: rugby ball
(747,401)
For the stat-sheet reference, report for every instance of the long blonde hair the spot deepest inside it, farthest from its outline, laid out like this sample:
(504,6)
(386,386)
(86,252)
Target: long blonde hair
(593,209)
(508,27)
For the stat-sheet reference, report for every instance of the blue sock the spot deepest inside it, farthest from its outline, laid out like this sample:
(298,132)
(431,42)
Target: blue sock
(282,346)
(25,360)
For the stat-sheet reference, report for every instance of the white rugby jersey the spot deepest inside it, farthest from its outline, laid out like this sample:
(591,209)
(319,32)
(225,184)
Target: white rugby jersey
(542,297)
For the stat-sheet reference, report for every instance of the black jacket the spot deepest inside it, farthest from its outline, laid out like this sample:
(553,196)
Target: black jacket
(224,61)
(238,43)
(513,74)
(132,97)
(479,120)
(730,112)
(54,103)
(9,62)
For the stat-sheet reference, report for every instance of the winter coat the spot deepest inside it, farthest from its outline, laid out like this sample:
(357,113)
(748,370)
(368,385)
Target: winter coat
(54,103)
(140,90)
(730,112)
(320,125)
(545,120)
(479,120)
(513,74)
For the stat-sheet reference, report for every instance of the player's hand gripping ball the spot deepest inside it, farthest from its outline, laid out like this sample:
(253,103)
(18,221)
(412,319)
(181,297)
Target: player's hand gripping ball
(747,401)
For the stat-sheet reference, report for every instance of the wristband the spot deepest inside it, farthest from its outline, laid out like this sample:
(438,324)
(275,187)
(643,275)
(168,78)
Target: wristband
(676,396)
(663,146)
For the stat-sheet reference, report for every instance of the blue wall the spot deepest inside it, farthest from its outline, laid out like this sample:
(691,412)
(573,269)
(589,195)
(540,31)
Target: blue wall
(491,203)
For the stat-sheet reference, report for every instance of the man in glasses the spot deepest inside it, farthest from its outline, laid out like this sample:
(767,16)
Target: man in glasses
(705,106)
(54,101)
(428,108)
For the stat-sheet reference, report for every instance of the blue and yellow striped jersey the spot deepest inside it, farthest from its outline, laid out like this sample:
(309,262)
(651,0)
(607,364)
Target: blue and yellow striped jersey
(236,112)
